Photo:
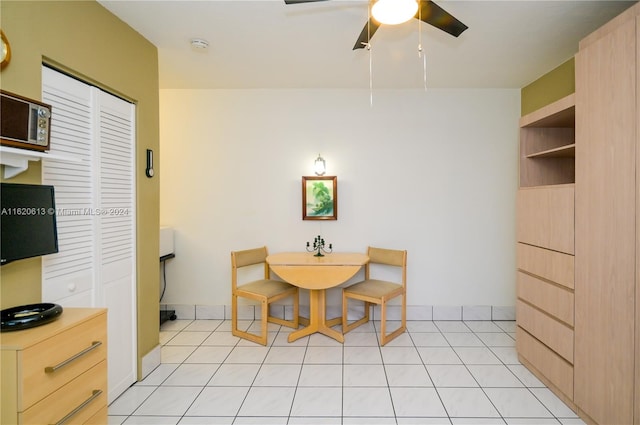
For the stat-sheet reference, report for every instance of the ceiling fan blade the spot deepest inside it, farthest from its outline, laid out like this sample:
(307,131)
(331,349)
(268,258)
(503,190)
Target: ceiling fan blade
(434,15)
(301,1)
(366,34)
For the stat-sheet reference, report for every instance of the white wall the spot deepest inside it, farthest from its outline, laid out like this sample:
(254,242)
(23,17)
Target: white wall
(432,172)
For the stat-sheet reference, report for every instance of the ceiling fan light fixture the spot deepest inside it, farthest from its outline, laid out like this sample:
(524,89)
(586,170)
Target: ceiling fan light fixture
(393,12)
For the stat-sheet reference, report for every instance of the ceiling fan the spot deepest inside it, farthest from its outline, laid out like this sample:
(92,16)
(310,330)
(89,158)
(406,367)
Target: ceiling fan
(428,12)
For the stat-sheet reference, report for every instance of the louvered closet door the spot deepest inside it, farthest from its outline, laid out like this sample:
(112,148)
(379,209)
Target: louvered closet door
(117,235)
(95,200)
(68,277)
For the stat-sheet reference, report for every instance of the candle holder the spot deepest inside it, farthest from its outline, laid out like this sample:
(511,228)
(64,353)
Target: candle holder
(318,246)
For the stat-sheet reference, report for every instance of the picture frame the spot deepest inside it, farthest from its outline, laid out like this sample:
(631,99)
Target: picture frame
(319,198)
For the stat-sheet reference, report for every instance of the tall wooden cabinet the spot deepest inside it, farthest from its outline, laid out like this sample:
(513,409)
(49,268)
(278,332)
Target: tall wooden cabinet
(546,245)
(578,254)
(607,358)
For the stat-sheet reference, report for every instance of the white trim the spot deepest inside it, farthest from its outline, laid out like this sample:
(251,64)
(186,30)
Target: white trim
(17,160)
(414,312)
(150,361)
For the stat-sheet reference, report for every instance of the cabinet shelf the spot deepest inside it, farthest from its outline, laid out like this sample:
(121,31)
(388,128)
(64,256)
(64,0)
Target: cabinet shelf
(16,160)
(547,144)
(560,113)
(568,151)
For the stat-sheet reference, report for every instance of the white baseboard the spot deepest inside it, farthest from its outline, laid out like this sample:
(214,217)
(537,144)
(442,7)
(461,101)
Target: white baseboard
(414,312)
(150,361)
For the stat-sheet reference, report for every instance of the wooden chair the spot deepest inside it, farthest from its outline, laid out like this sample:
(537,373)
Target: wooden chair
(374,291)
(264,290)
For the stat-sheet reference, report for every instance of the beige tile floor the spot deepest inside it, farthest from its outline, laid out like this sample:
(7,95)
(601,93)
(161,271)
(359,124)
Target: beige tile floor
(438,372)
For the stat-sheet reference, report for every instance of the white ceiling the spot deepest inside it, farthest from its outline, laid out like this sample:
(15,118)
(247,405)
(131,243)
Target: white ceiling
(267,44)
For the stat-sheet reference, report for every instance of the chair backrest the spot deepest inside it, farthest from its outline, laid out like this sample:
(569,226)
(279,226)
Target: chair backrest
(388,257)
(248,257)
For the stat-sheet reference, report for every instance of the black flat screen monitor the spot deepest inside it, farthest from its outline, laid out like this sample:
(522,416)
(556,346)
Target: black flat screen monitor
(28,221)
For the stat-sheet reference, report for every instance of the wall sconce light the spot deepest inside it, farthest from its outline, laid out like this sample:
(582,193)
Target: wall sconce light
(319,166)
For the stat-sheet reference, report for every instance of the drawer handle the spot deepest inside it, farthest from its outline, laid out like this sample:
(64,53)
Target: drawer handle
(94,394)
(94,345)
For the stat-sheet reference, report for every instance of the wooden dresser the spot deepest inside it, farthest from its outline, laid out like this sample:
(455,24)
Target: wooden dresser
(56,373)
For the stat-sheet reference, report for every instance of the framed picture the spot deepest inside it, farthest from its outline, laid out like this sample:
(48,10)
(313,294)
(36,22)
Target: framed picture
(320,198)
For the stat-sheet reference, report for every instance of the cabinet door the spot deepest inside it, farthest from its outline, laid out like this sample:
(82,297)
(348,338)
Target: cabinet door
(605,225)
(546,217)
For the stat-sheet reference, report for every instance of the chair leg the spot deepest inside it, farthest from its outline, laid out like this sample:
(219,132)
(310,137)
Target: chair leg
(264,313)
(346,327)
(384,338)
(234,314)
(289,323)
(258,339)
(404,311)
(383,321)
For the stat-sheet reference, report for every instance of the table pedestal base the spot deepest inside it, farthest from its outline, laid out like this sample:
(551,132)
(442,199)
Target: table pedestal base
(318,321)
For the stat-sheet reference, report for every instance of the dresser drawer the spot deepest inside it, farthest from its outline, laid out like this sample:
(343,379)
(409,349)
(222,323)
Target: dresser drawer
(550,298)
(551,265)
(555,335)
(51,363)
(77,401)
(550,365)
(546,217)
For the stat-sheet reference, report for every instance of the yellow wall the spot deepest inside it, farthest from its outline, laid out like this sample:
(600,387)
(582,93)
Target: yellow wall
(85,40)
(552,86)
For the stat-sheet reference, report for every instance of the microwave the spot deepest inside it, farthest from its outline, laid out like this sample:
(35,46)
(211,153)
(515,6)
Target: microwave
(24,123)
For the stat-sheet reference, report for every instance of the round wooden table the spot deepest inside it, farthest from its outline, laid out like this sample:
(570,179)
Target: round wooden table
(305,270)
